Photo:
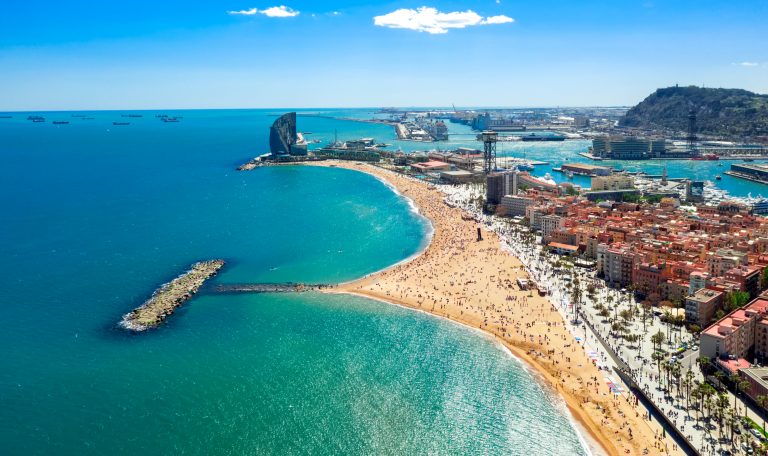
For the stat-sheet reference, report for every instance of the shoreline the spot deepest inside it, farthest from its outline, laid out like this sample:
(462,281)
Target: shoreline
(589,434)
(420,281)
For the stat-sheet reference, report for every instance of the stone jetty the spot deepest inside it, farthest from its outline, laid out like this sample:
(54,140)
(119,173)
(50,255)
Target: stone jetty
(268,288)
(169,296)
(249,165)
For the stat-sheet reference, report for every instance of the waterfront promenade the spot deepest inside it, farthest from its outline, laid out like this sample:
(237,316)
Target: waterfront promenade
(474,283)
(667,392)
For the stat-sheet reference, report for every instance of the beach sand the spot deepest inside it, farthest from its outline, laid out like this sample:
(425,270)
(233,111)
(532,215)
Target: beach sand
(473,282)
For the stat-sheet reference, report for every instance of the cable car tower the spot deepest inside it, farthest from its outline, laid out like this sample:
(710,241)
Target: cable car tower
(691,139)
(489,139)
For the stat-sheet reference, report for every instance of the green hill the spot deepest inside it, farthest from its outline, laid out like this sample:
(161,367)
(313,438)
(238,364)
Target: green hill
(721,112)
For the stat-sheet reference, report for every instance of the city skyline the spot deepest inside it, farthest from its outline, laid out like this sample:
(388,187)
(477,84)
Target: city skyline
(347,53)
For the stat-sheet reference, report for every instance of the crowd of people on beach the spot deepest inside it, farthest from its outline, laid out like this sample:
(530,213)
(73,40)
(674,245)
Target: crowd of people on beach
(475,283)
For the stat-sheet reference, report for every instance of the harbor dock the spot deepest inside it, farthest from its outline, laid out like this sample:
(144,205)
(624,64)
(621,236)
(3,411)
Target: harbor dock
(169,296)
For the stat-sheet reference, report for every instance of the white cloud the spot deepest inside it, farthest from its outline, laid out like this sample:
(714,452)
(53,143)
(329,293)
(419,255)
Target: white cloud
(749,64)
(430,20)
(498,20)
(274,11)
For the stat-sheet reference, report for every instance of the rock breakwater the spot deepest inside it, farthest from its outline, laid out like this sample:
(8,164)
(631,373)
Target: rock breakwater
(170,296)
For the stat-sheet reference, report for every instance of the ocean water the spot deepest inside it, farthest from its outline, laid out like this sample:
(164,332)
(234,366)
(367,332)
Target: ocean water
(555,154)
(96,216)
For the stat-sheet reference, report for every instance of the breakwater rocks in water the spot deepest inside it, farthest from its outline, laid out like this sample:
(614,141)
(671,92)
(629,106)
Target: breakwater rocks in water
(268,288)
(171,295)
(252,164)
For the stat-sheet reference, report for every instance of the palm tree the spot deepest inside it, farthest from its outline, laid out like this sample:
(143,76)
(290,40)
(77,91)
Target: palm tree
(658,357)
(674,371)
(657,339)
(762,401)
(733,421)
(708,407)
(722,406)
(734,379)
(645,315)
(688,383)
(743,386)
(703,362)
(697,394)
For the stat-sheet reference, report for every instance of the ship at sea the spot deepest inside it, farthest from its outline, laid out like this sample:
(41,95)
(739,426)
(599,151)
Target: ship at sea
(540,137)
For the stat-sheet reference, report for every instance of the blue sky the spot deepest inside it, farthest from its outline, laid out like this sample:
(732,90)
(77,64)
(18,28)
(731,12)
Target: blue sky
(197,54)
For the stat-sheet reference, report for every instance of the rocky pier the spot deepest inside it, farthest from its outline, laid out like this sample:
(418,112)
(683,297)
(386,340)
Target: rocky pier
(169,296)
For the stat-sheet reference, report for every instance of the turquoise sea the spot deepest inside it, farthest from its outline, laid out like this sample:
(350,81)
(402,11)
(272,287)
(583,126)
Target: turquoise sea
(96,216)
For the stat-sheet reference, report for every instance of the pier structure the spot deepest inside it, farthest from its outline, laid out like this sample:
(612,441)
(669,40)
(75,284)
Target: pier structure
(289,287)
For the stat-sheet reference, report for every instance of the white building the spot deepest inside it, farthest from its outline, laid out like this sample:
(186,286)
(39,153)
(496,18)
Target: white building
(550,224)
(515,205)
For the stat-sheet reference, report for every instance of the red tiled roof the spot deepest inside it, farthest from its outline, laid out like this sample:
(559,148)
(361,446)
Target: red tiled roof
(733,365)
(557,245)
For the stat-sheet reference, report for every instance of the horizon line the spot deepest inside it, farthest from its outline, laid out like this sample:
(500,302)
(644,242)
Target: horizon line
(412,107)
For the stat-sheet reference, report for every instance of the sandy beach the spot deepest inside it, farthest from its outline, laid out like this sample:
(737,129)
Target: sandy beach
(474,283)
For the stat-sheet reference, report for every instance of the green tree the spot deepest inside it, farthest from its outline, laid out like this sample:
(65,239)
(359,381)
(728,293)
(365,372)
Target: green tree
(703,362)
(762,401)
(742,386)
(688,384)
(657,339)
(736,300)
(764,279)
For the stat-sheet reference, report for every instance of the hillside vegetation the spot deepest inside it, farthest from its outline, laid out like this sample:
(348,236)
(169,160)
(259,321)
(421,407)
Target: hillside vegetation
(720,112)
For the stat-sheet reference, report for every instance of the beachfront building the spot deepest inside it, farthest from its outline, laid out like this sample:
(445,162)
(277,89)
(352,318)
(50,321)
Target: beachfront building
(563,249)
(499,185)
(534,214)
(734,334)
(757,377)
(615,264)
(550,224)
(514,206)
(283,138)
(430,166)
(700,307)
(662,252)
(459,176)
(647,279)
